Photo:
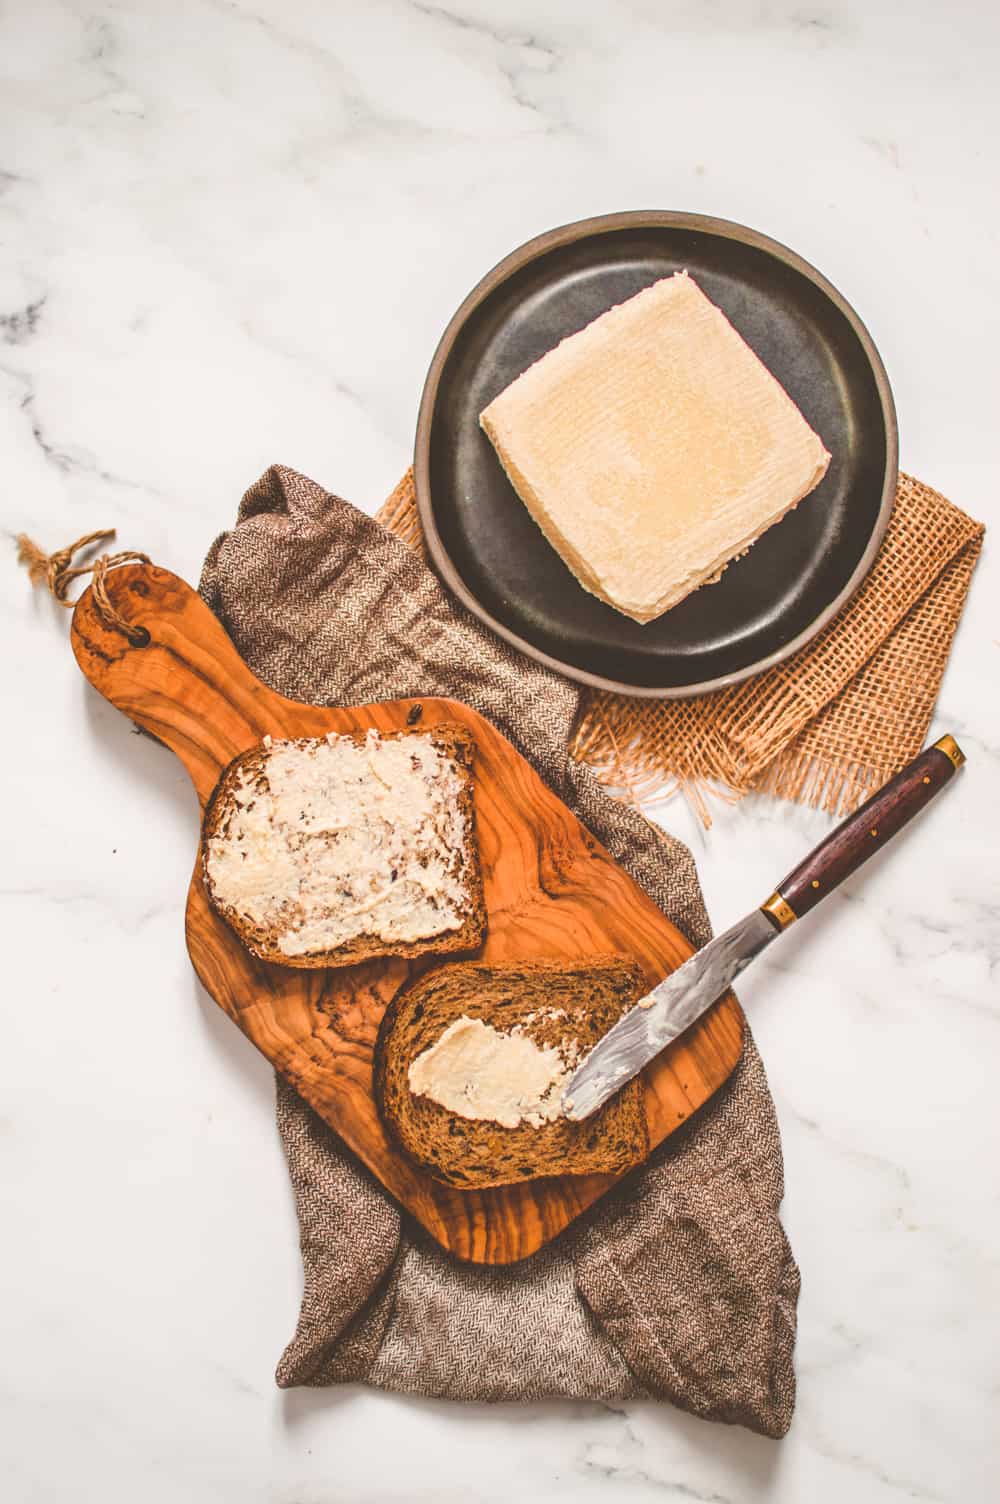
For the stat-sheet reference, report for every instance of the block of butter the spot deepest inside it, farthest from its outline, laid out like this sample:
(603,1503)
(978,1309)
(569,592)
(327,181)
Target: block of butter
(653,447)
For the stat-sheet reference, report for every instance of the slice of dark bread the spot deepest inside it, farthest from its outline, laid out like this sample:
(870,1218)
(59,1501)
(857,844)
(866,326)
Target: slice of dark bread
(288,903)
(586,999)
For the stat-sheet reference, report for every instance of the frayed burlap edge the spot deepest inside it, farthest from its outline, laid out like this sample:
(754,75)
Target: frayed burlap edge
(826,727)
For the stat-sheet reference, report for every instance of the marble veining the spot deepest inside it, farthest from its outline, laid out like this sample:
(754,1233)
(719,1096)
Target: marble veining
(231,232)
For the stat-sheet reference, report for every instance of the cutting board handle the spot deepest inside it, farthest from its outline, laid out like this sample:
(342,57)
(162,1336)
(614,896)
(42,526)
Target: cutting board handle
(187,685)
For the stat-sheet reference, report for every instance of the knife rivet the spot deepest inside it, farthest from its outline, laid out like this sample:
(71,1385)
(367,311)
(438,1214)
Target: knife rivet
(874,832)
(926,780)
(815,882)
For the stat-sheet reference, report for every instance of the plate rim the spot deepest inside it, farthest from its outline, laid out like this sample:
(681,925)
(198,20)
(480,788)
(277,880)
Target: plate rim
(601,224)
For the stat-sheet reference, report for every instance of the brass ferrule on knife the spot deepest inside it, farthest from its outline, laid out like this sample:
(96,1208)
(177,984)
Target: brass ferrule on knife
(779,911)
(949,746)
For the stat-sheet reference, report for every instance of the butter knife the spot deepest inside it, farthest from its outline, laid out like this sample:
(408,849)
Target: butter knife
(684,996)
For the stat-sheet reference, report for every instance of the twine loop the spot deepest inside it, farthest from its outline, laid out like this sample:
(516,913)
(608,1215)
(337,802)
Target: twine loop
(57,572)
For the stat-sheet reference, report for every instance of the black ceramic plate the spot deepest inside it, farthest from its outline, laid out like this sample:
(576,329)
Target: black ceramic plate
(795,578)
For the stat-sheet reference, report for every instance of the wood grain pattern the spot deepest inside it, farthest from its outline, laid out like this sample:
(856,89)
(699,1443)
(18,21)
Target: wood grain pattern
(551,890)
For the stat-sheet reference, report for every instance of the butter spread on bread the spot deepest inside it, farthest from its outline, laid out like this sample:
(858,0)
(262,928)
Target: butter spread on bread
(487,1075)
(653,447)
(514,1131)
(327,850)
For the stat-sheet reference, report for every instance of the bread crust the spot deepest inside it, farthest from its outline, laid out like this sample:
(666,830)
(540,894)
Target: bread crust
(450,738)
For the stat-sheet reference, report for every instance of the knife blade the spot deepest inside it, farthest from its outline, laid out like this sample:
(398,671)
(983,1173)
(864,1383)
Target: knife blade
(680,1000)
(663,1014)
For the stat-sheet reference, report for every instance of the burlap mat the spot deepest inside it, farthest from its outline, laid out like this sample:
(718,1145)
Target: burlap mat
(825,728)
(680,1285)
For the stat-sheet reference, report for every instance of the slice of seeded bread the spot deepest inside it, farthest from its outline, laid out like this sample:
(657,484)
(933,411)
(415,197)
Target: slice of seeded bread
(302,886)
(556,1004)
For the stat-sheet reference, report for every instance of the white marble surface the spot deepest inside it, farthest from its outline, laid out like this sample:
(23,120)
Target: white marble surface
(231,233)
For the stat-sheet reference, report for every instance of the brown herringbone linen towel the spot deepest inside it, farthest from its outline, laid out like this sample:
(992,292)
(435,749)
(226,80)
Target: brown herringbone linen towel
(828,726)
(680,1284)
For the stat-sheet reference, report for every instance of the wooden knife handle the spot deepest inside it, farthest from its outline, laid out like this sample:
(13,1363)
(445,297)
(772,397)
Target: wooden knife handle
(865,832)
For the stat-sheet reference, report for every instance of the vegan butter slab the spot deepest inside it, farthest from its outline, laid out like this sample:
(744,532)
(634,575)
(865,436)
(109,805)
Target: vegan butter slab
(653,447)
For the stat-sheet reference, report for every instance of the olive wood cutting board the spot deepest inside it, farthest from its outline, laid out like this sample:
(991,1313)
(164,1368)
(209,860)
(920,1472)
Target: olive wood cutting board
(551,889)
